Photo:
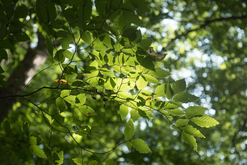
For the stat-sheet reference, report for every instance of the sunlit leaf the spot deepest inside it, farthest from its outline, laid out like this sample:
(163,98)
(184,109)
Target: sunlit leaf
(179,86)
(205,121)
(82,98)
(192,131)
(33,140)
(190,140)
(175,112)
(141,83)
(194,111)
(129,130)
(159,73)
(145,44)
(129,145)
(150,78)
(87,110)
(184,97)
(160,90)
(79,161)
(65,42)
(38,151)
(140,145)
(134,114)
(123,111)
(168,91)
(182,122)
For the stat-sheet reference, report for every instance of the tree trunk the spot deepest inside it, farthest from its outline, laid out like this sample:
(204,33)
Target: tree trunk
(21,76)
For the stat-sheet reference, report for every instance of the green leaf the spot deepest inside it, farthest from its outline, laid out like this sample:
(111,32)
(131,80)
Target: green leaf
(55,156)
(151,79)
(160,90)
(82,98)
(140,145)
(70,99)
(143,114)
(110,162)
(129,145)
(59,56)
(159,73)
(145,44)
(205,121)
(179,86)
(192,131)
(107,72)
(107,41)
(134,114)
(50,7)
(129,130)
(67,54)
(172,105)
(49,46)
(190,140)
(66,41)
(65,93)
(166,114)
(61,104)
(182,122)
(41,10)
(58,120)
(110,58)
(184,97)
(168,91)
(123,111)
(38,151)
(32,140)
(86,110)
(194,111)
(141,83)
(79,161)
(130,33)
(175,112)
(87,10)
(132,17)
(100,6)
(146,61)
(87,37)
(94,162)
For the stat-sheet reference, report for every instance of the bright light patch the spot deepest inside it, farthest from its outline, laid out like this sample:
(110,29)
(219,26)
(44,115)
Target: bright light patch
(143,125)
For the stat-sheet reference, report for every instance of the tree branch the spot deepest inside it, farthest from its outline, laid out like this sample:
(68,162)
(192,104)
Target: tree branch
(206,23)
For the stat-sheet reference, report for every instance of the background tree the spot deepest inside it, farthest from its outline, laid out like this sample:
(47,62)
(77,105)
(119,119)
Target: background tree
(102,67)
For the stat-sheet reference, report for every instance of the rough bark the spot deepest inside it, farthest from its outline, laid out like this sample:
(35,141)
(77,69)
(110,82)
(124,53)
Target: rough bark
(21,76)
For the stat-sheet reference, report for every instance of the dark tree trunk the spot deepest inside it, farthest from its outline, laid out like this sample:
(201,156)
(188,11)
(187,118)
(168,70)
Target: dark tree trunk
(21,76)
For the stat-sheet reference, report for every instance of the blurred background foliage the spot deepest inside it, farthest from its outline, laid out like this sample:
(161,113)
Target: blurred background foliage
(205,42)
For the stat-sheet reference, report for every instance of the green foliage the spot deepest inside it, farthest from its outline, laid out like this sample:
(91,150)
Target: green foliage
(140,145)
(103,73)
(129,130)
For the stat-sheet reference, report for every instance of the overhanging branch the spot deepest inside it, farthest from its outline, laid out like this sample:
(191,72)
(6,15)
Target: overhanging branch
(206,23)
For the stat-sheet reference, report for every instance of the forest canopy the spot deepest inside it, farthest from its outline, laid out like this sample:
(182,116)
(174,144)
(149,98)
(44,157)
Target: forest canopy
(123,82)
